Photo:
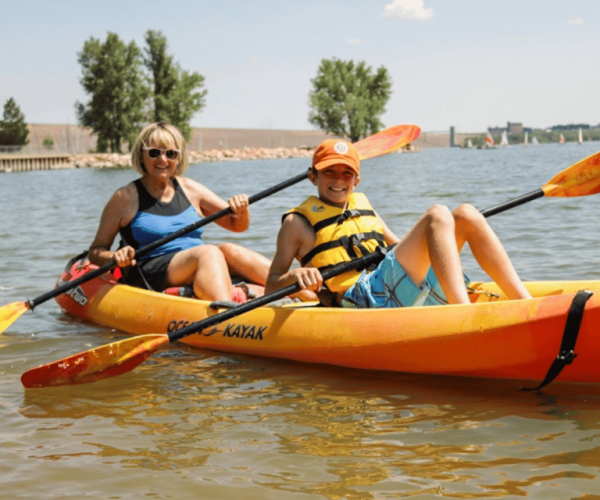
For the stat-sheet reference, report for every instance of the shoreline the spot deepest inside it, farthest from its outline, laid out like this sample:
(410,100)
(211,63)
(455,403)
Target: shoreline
(20,162)
(116,160)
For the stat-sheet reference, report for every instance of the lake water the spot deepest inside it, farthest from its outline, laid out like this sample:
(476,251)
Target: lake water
(194,424)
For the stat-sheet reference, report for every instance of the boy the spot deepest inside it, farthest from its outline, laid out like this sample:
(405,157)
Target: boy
(422,269)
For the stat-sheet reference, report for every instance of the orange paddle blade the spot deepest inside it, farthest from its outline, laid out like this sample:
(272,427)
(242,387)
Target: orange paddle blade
(387,140)
(101,362)
(10,312)
(580,179)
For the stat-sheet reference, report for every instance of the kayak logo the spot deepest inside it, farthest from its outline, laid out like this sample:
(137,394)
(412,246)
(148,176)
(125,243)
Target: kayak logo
(78,296)
(231,330)
(176,325)
(244,331)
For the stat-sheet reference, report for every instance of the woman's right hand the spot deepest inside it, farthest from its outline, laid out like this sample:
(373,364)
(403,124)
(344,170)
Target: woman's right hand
(124,256)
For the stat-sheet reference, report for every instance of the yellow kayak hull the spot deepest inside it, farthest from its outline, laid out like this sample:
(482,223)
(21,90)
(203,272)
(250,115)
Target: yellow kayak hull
(492,337)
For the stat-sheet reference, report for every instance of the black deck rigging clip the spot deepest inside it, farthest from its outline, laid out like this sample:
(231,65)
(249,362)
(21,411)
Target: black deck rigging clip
(566,355)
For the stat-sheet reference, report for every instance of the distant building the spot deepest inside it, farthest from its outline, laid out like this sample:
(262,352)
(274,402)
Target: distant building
(571,126)
(515,128)
(511,128)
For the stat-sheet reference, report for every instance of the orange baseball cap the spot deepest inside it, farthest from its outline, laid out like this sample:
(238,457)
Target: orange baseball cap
(334,152)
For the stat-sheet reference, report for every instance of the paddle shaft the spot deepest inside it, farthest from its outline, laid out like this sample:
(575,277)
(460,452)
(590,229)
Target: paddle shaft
(580,179)
(361,262)
(515,202)
(154,245)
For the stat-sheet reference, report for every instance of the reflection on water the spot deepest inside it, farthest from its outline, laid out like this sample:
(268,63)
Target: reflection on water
(328,432)
(198,424)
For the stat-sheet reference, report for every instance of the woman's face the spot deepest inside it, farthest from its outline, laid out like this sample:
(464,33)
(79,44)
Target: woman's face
(161,160)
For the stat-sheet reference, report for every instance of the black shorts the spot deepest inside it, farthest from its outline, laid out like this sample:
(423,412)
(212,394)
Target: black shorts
(150,274)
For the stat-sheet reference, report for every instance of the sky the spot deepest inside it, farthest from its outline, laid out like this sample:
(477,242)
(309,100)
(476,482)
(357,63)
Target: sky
(471,64)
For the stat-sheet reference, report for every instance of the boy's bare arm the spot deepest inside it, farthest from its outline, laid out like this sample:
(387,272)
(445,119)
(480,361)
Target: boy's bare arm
(294,240)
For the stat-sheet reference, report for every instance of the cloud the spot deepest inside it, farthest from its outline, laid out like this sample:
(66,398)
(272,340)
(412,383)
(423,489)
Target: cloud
(576,22)
(408,9)
(353,41)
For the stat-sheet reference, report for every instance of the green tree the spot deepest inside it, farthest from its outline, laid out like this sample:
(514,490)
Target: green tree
(348,99)
(48,142)
(113,77)
(178,94)
(13,128)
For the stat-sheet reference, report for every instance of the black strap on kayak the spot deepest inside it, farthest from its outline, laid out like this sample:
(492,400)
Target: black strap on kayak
(566,354)
(70,264)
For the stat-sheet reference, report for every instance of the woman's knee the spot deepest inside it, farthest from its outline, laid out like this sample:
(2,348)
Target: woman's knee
(208,254)
(228,248)
(232,252)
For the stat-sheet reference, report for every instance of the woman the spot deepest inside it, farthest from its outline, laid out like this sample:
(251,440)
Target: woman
(159,203)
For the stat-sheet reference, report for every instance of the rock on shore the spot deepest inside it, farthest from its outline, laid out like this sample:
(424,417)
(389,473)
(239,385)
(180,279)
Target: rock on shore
(115,160)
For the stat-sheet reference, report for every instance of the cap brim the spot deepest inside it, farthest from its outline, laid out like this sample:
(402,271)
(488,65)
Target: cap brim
(336,161)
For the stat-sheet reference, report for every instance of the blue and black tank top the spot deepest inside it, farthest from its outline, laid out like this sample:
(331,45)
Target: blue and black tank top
(156,219)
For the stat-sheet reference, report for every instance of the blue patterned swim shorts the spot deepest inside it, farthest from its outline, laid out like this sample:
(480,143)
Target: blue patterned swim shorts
(389,286)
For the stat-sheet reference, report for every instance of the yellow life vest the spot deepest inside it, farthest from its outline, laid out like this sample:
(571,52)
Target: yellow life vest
(341,235)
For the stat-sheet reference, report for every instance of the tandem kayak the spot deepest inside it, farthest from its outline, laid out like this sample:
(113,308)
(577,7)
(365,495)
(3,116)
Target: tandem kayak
(492,337)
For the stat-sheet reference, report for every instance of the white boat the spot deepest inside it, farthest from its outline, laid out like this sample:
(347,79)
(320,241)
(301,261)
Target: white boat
(561,139)
(526,140)
(489,141)
(580,139)
(504,139)
(469,143)
(534,141)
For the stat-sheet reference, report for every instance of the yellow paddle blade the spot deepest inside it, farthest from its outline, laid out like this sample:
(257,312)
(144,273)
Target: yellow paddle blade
(101,362)
(10,312)
(387,140)
(580,179)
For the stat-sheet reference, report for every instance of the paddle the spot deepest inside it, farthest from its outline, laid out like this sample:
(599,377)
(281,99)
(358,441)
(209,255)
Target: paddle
(123,356)
(378,144)
(580,179)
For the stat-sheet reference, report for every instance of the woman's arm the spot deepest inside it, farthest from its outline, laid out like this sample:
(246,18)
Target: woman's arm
(209,203)
(117,213)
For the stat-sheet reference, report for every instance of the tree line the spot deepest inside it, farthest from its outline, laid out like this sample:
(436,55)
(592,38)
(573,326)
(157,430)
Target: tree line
(129,87)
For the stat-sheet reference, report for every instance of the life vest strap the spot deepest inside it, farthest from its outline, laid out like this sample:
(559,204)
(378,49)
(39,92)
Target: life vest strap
(344,216)
(348,242)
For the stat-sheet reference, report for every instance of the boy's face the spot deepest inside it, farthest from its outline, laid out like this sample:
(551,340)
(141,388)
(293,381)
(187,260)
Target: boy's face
(335,184)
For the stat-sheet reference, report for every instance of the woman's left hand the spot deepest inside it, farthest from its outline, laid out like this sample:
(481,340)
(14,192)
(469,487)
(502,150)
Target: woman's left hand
(239,204)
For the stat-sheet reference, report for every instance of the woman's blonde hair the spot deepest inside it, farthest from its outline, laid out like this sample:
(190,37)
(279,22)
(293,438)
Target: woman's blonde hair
(163,135)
